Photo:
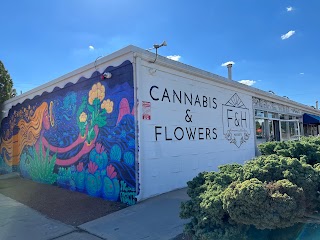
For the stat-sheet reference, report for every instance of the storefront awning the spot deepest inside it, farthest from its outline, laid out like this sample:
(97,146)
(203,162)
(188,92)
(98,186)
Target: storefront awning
(311,119)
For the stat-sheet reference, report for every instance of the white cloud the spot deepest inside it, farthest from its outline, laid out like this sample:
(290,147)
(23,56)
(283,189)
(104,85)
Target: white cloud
(174,57)
(288,34)
(91,48)
(301,73)
(247,82)
(226,63)
(289,9)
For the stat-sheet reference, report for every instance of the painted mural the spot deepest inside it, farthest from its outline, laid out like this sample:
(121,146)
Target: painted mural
(80,137)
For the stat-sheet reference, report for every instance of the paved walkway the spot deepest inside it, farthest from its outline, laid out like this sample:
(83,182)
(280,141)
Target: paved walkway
(18,221)
(155,218)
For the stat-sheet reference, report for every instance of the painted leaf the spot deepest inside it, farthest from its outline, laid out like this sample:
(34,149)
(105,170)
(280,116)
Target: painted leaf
(91,135)
(100,121)
(90,108)
(96,101)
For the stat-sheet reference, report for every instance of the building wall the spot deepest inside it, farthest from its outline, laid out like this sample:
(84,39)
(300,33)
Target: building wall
(80,136)
(148,130)
(209,125)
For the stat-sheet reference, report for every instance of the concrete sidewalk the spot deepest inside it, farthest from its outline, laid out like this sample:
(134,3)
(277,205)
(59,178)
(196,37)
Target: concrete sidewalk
(155,218)
(18,221)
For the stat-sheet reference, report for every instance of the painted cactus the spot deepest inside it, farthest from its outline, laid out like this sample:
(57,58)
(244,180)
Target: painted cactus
(93,180)
(64,177)
(115,153)
(80,178)
(111,185)
(128,158)
(99,156)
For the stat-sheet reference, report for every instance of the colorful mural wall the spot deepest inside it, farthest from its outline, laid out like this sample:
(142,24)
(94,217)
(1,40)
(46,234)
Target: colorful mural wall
(80,137)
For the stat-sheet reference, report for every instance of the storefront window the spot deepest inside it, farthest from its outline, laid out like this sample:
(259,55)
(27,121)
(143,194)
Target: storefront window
(294,132)
(310,130)
(259,113)
(271,130)
(271,126)
(272,115)
(290,130)
(284,131)
(261,131)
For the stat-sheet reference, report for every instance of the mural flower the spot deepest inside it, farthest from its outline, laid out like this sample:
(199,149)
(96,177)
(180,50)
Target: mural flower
(83,117)
(82,123)
(96,115)
(99,148)
(97,92)
(107,105)
(110,172)
(80,167)
(92,167)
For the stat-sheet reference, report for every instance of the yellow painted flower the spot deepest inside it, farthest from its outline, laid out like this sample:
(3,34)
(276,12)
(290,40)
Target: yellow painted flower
(83,117)
(97,91)
(107,105)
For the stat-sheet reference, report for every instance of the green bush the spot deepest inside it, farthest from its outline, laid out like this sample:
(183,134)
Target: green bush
(266,206)
(268,192)
(307,149)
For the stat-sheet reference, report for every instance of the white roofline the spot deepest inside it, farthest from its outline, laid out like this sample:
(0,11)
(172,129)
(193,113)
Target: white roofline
(163,61)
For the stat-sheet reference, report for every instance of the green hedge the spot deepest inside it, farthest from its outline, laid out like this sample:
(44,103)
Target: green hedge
(307,149)
(270,193)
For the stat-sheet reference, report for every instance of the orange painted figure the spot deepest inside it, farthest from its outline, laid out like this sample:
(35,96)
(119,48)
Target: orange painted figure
(28,135)
(31,132)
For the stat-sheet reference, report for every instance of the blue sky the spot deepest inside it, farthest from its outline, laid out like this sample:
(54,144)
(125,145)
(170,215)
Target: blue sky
(42,40)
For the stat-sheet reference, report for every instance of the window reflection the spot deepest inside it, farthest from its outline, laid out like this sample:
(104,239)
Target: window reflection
(276,127)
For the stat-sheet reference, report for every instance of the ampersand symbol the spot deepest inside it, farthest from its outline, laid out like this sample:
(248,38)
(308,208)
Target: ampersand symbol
(188,117)
(236,120)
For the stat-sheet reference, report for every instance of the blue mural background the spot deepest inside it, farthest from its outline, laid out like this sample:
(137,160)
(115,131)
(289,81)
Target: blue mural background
(86,139)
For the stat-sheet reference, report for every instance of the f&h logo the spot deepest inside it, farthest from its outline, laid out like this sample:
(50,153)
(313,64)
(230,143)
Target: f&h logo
(236,121)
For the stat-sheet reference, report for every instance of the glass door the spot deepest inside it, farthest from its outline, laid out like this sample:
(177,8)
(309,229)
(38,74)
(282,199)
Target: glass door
(289,130)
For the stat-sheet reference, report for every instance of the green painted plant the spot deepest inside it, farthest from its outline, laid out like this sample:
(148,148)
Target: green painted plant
(93,110)
(64,176)
(41,165)
(4,168)
(128,158)
(115,153)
